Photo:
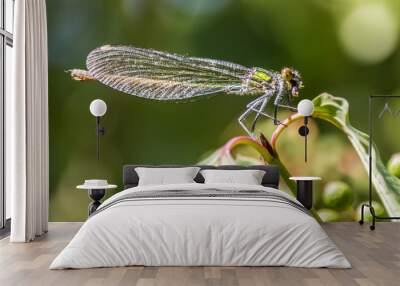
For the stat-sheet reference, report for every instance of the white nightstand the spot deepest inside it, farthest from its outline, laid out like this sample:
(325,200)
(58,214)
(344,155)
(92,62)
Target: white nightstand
(96,190)
(305,190)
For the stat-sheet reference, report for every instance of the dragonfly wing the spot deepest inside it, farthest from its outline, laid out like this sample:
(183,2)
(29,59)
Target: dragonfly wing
(158,75)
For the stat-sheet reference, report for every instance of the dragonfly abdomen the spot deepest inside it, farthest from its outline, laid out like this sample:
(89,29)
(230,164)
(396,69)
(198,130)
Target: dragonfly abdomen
(78,74)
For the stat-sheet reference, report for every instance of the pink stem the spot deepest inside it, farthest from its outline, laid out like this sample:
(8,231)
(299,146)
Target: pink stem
(275,135)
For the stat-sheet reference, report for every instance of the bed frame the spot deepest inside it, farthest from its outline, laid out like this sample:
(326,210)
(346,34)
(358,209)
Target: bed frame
(270,179)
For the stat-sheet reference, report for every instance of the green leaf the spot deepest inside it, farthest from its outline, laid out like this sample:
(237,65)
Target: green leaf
(336,111)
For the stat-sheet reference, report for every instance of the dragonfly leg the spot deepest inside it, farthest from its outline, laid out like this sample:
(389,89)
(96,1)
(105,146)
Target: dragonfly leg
(279,100)
(262,107)
(269,116)
(250,107)
(253,106)
(276,114)
(288,107)
(257,100)
(276,107)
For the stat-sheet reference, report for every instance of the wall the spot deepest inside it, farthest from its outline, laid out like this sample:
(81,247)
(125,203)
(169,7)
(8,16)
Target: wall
(307,35)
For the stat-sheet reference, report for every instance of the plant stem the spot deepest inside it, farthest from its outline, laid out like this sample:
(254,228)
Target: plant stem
(278,131)
(246,140)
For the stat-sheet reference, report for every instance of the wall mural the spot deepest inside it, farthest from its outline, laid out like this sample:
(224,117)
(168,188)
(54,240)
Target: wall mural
(339,76)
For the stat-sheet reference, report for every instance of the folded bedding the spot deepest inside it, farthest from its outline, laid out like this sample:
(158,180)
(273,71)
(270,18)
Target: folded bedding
(247,177)
(164,176)
(201,225)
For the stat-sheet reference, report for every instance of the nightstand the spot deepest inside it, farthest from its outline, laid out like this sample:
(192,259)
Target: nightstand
(305,190)
(96,190)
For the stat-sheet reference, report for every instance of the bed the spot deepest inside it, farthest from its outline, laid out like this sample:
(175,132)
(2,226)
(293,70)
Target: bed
(199,224)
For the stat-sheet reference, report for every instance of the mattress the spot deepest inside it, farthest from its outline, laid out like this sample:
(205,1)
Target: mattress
(201,225)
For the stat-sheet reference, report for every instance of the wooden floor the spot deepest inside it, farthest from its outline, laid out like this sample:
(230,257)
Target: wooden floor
(375,257)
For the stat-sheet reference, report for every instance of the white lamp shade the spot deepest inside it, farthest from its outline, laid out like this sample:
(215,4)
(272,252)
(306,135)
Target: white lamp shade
(305,107)
(98,107)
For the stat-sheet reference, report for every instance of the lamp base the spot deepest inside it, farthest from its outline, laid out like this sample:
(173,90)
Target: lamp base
(303,131)
(96,195)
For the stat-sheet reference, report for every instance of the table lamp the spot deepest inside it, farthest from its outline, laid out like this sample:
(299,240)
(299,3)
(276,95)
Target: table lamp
(98,108)
(305,108)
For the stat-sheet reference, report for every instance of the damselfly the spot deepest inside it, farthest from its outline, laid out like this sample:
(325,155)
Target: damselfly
(159,75)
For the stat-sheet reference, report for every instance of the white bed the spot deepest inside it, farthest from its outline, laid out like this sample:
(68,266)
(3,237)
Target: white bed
(185,230)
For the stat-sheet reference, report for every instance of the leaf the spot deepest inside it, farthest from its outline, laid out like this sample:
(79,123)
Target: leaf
(247,160)
(336,111)
(218,158)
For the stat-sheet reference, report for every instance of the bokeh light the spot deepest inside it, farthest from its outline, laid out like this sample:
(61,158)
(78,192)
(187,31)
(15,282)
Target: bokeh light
(369,33)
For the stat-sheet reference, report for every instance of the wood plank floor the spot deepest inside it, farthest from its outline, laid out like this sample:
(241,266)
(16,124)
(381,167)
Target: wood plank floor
(375,257)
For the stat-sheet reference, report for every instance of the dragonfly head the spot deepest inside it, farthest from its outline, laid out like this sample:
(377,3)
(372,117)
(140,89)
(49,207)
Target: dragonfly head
(293,80)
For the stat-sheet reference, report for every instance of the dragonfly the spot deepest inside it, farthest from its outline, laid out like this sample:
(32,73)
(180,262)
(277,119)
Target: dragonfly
(163,76)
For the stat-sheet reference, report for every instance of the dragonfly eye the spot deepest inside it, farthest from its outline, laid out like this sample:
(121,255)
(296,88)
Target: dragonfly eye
(287,73)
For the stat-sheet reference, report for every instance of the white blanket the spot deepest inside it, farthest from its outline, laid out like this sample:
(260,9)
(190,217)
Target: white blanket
(187,231)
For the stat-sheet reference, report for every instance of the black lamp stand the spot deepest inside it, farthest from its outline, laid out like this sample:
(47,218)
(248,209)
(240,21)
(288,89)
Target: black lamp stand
(100,131)
(96,195)
(303,131)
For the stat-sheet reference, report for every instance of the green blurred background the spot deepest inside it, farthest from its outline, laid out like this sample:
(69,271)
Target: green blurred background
(348,48)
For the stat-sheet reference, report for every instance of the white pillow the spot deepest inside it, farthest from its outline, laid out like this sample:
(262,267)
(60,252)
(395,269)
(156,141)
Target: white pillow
(164,176)
(246,177)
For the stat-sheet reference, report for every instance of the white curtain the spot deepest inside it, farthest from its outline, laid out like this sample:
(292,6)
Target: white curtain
(27,173)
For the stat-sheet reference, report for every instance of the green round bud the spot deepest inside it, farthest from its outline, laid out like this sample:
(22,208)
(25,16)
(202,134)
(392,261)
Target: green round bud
(393,165)
(328,215)
(337,195)
(379,211)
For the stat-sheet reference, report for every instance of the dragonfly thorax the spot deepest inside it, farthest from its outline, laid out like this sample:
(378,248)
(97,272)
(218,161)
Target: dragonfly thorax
(258,80)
